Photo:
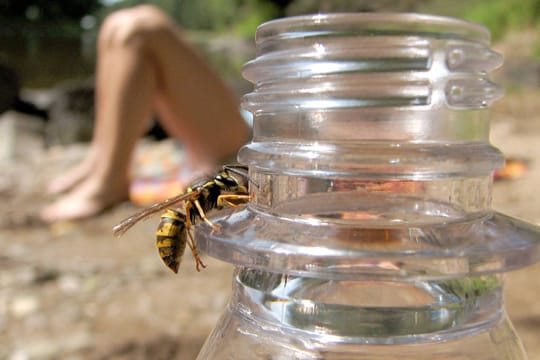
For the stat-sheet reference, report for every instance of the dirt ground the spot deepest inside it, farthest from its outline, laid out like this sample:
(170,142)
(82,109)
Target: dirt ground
(73,291)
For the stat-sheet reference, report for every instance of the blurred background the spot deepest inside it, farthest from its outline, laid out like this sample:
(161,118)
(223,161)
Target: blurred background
(47,41)
(71,290)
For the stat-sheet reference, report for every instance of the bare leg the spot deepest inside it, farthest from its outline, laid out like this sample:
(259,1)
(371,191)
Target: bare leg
(143,63)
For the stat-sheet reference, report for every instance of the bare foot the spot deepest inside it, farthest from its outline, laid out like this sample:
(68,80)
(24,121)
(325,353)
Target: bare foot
(72,178)
(87,199)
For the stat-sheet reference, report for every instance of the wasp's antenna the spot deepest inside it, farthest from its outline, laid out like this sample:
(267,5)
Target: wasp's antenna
(241,170)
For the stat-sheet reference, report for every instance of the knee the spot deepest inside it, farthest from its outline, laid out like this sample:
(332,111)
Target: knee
(133,25)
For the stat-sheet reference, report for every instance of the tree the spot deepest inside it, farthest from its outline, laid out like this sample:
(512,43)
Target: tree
(48,10)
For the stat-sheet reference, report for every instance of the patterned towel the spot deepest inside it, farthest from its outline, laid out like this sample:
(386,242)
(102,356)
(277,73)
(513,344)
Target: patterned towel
(155,172)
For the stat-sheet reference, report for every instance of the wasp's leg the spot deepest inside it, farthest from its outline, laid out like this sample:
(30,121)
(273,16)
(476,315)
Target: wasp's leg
(203,215)
(226,200)
(191,242)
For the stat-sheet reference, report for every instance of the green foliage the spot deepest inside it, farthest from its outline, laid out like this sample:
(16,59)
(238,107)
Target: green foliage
(499,16)
(536,50)
(242,16)
(239,16)
(47,10)
(206,14)
(249,20)
(299,7)
(44,17)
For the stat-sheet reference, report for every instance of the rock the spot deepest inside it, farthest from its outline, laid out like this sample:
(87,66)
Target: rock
(71,113)
(7,141)
(69,283)
(10,91)
(21,137)
(23,305)
(52,348)
(9,88)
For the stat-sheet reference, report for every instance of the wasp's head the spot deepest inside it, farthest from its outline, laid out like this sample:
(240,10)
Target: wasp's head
(226,181)
(234,178)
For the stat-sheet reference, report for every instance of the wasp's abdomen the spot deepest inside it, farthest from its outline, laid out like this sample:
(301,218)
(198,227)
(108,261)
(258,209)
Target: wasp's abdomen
(171,238)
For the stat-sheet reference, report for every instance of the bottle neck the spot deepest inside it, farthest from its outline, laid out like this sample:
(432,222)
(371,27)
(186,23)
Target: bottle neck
(385,109)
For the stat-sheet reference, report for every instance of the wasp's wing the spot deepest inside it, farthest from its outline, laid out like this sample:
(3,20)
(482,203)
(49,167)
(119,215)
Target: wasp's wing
(127,223)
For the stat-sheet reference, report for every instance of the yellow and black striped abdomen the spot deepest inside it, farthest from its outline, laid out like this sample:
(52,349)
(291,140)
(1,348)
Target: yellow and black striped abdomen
(171,238)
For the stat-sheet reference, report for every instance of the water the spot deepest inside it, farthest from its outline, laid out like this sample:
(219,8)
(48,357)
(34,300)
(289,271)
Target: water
(376,311)
(43,60)
(278,316)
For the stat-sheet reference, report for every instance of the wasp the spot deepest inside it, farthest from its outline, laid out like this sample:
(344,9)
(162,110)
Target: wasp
(228,188)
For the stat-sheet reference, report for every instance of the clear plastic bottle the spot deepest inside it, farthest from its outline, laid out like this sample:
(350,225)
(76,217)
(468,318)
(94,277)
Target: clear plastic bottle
(370,233)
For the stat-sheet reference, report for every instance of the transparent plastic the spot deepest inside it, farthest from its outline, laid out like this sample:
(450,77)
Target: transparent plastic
(370,233)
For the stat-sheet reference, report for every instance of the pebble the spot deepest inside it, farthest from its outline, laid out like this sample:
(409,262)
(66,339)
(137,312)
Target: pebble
(69,283)
(41,348)
(23,305)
